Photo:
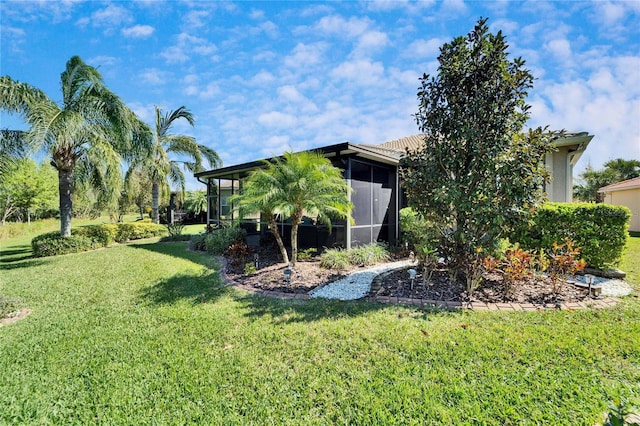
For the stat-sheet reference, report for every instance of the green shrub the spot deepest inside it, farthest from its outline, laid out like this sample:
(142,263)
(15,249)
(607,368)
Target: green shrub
(52,244)
(307,254)
(334,259)
(198,242)
(218,241)
(104,234)
(369,254)
(138,230)
(600,230)
(92,237)
(175,229)
(416,231)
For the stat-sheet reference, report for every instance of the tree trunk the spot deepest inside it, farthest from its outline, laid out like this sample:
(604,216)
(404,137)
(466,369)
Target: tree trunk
(273,225)
(155,196)
(65,185)
(295,221)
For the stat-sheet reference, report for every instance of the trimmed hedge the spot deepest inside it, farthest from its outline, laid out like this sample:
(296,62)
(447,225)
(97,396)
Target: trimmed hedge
(599,229)
(92,237)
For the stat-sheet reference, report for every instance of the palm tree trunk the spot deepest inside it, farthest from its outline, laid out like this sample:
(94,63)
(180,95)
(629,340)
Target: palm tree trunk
(295,220)
(273,225)
(65,185)
(155,196)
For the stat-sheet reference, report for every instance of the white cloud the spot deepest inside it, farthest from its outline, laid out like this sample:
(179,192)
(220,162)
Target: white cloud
(262,78)
(371,41)
(424,49)
(304,55)
(559,48)
(155,76)
(109,17)
(277,119)
(195,19)
(186,46)
(336,24)
(361,72)
(138,31)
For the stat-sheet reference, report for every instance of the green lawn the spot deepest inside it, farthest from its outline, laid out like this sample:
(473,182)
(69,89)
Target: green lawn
(145,333)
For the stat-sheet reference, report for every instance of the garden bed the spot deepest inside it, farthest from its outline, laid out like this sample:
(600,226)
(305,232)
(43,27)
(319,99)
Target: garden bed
(270,275)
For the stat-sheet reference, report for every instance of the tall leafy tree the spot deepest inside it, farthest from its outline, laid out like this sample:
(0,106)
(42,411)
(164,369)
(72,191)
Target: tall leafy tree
(290,187)
(592,180)
(477,173)
(86,134)
(162,169)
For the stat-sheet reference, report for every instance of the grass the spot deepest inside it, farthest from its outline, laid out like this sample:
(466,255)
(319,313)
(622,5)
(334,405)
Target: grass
(155,338)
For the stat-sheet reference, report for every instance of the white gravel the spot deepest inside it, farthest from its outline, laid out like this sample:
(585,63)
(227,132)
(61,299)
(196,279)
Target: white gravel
(610,287)
(356,285)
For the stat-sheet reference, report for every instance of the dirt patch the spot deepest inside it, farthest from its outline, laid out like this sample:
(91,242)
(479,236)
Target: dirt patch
(536,289)
(270,274)
(16,316)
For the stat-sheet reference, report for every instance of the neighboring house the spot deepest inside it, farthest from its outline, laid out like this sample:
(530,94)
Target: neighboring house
(625,193)
(372,172)
(569,149)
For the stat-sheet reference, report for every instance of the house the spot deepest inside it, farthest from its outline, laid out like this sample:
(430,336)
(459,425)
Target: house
(625,193)
(372,172)
(569,148)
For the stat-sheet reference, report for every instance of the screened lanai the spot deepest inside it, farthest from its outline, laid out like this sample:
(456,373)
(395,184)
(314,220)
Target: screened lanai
(370,170)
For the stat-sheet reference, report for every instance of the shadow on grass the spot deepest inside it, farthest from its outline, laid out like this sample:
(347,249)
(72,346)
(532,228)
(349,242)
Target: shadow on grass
(204,288)
(209,287)
(15,254)
(284,311)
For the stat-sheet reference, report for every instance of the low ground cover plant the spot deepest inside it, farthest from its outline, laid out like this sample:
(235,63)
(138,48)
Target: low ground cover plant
(218,241)
(366,255)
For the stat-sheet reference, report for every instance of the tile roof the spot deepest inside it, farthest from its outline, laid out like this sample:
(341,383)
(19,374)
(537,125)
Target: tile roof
(397,147)
(621,186)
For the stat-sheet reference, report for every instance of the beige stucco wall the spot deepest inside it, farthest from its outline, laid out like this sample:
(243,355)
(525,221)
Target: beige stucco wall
(561,187)
(629,198)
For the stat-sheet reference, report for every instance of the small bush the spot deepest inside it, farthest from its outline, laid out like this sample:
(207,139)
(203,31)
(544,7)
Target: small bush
(416,231)
(369,254)
(218,241)
(239,252)
(599,229)
(175,229)
(138,230)
(307,254)
(358,256)
(334,259)
(104,234)
(52,244)
(198,242)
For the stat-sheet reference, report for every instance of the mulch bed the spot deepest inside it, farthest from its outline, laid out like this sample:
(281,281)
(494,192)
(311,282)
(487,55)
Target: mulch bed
(309,275)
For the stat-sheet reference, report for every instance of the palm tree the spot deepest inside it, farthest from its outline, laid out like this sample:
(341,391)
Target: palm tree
(86,135)
(297,184)
(160,168)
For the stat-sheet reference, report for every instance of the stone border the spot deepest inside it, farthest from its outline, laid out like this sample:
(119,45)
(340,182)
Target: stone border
(603,303)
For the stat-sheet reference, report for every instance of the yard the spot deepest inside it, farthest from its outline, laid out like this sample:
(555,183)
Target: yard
(145,333)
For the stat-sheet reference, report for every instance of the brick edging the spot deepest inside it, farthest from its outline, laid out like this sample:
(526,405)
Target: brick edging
(606,302)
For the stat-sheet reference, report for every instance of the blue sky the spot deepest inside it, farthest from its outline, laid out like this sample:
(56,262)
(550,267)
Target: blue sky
(264,77)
